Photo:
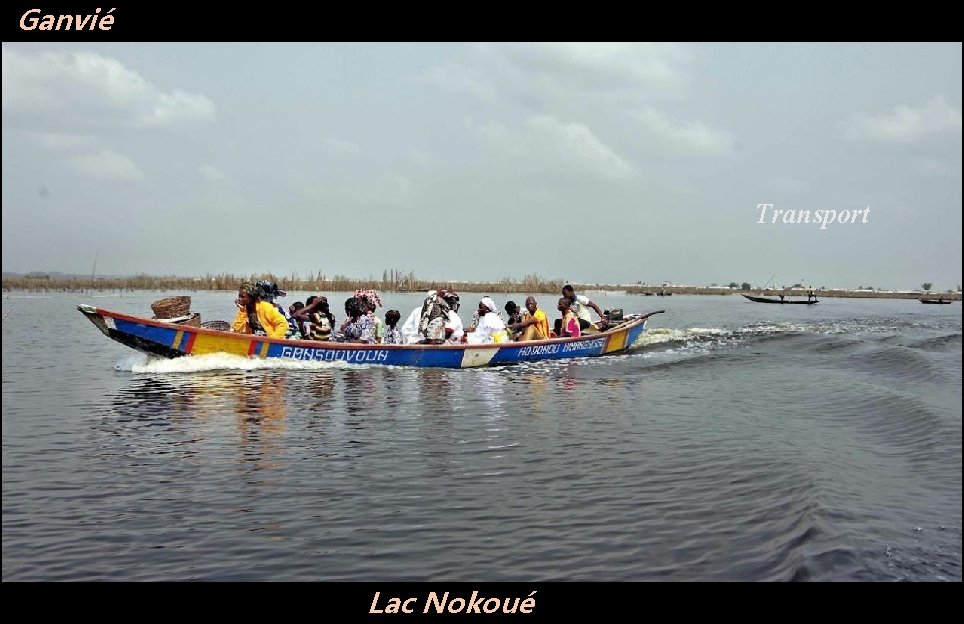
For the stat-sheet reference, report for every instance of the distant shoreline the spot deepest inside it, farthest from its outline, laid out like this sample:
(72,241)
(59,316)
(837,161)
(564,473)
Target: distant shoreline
(533,285)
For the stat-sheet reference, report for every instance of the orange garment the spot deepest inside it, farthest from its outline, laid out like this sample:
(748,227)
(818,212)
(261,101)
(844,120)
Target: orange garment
(538,330)
(274,323)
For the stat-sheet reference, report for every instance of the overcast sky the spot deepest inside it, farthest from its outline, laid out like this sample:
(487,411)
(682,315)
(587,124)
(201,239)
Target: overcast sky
(584,162)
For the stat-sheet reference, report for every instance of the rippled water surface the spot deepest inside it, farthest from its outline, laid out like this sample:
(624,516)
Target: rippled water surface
(737,441)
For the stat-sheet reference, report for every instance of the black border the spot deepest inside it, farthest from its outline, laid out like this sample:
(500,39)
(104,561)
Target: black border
(333,21)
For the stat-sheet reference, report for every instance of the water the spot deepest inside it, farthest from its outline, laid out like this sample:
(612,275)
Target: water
(739,441)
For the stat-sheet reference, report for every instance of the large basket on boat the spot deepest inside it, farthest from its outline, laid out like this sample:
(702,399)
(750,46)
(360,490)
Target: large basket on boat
(171,307)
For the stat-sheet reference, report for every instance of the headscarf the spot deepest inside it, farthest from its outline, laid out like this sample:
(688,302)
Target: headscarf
(452,299)
(434,307)
(253,291)
(370,296)
(487,302)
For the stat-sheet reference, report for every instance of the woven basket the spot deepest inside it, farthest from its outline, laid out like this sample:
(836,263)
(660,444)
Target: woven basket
(194,321)
(171,307)
(217,325)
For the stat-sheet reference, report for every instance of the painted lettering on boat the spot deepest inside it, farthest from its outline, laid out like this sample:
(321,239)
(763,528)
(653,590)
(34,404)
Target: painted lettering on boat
(331,355)
(582,346)
(552,349)
(539,350)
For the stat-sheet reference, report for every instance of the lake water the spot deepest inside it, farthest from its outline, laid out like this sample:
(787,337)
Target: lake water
(737,442)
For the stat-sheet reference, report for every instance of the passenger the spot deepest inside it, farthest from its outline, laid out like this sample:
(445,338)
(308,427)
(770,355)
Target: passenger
(434,316)
(475,318)
(293,320)
(513,319)
(270,292)
(580,304)
(454,331)
(534,324)
(570,327)
(373,301)
(316,318)
(358,326)
(409,329)
(392,334)
(491,327)
(256,316)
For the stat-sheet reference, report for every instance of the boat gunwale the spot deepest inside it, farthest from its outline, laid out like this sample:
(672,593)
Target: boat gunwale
(326,344)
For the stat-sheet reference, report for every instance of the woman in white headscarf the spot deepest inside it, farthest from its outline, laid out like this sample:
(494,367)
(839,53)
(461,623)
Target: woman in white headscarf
(491,327)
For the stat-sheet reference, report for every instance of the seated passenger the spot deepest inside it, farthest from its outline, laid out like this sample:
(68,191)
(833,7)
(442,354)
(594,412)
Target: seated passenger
(453,326)
(358,326)
(409,329)
(475,317)
(569,324)
(256,316)
(580,305)
(513,319)
(435,314)
(535,323)
(316,319)
(491,327)
(393,335)
(372,300)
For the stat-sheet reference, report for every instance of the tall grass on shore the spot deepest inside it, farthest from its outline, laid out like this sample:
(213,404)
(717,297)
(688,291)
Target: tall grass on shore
(392,281)
(400,281)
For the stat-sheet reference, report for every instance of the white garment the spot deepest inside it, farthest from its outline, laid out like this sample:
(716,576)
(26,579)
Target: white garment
(455,324)
(581,307)
(409,330)
(488,330)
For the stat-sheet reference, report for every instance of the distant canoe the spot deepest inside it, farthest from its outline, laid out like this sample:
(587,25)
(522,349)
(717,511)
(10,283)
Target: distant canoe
(935,301)
(604,293)
(170,340)
(784,301)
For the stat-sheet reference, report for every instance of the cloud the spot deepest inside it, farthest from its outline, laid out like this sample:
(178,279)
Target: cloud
(608,65)
(90,89)
(214,175)
(906,124)
(544,143)
(60,141)
(694,136)
(337,146)
(932,167)
(788,185)
(560,73)
(576,143)
(108,165)
(459,77)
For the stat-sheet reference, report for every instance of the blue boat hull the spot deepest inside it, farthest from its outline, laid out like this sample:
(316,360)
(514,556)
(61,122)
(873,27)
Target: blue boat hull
(159,338)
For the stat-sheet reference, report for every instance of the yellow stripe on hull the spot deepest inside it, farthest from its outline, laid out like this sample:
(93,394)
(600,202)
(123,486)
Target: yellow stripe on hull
(206,343)
(617,342)
(177,340)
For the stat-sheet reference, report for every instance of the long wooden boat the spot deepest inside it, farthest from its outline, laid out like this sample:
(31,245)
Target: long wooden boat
(170,340)
(935,301)
(786,301)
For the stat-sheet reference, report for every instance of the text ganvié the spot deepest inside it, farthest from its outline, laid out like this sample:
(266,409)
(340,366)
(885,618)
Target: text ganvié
(35,19)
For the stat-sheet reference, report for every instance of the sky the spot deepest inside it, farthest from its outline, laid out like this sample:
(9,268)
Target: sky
(586,162)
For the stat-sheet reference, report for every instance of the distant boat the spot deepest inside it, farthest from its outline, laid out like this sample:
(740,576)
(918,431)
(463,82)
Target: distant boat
(940,300)
(783,301)
(604,293)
